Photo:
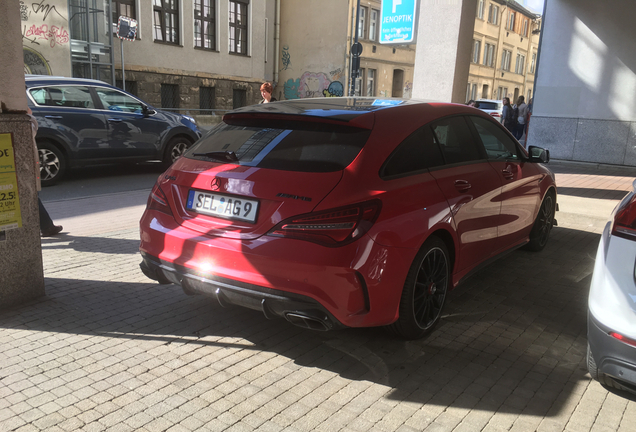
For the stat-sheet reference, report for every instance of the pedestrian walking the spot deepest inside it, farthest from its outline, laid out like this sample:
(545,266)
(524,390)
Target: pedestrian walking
(47,227)
(522,117)
(507,115)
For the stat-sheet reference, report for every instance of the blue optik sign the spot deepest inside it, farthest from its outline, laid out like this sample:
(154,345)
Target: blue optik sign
(398,21)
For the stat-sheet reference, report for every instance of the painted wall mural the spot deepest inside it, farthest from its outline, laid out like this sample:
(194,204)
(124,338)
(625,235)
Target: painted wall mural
(286,58)
(312,84)
(45,34)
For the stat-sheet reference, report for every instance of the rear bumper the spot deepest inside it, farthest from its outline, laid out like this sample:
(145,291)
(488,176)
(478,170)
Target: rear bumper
(613,358)
(356,285)
(297,309)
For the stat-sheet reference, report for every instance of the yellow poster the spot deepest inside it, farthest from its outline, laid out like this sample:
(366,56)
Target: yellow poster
(10,216)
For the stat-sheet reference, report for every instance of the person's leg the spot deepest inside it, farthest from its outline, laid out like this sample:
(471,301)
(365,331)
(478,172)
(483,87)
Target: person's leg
(47,227)
(46,223)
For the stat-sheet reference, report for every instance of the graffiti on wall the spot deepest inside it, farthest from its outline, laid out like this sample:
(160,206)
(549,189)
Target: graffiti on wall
(44,8)
(45,34)
(35,63)
(286,58)
(54,35)
(312,84)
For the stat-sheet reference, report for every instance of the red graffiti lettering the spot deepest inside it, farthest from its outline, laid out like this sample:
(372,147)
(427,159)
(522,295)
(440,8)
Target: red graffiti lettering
(55,35)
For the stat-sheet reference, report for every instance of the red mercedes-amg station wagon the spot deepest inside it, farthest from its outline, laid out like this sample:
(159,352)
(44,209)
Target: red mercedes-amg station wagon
(345,212)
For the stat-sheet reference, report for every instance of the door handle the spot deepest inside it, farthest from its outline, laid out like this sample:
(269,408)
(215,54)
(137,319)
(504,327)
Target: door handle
(462,185)
(53,117)
(508,175)
(115,120)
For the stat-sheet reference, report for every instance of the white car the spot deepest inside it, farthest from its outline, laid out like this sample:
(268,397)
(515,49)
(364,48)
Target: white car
(492,107)
(611,325)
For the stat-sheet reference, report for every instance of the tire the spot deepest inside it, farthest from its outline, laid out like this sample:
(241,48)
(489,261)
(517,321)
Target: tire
(52,163)
(176,147)
(424,292)
(542,225)
(591,364)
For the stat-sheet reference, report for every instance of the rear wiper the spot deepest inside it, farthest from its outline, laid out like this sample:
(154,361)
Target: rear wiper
(223,156)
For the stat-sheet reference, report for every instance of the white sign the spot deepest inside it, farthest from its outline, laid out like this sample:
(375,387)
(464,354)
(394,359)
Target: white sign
(397,21)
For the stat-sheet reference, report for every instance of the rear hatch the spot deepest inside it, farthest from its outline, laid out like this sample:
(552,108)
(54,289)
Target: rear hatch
(243,178)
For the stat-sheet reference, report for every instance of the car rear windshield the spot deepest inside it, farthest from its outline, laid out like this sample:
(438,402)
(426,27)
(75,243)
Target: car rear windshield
(314,148)
(489,105)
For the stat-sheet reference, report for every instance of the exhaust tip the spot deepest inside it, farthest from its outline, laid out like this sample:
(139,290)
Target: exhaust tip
(306,321)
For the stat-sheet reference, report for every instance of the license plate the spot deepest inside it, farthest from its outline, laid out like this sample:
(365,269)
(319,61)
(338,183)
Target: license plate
(225,206)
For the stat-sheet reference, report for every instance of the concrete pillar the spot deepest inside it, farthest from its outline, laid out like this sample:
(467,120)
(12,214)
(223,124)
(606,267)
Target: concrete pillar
(21,272)
(442,54)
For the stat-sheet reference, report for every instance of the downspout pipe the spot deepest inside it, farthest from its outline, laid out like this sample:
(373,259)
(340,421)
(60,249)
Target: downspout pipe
(276,42)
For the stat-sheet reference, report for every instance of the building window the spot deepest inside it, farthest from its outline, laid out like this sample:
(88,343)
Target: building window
(484,91)
(480,9)
(373,24)
(361,22)
(505,60)
(493,14)
(476,51)
(131,86)
(511,21)
(204,24)
(123,8)
(468,93)
(502,92)
(359,84)
(166,21)
(529,95)
(473,92)
(525,28)
(370,82)
(169,96)
(533,62)
(489,55)
(238,27)
(519,66)
(207,100)
(239,98)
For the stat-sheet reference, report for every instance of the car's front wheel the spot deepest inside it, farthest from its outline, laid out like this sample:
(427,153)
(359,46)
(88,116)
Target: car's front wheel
(52,163)
(424,291)
(176,147)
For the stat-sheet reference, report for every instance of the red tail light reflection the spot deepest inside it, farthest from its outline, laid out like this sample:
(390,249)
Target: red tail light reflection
(334,227)
(625,220)
(623,339)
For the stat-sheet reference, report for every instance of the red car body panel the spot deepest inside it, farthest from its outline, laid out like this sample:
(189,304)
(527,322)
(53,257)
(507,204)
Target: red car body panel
(480,209)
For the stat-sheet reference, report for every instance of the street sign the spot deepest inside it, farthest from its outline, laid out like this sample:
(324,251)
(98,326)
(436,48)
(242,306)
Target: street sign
(356,49)
(398,21)
(126,28)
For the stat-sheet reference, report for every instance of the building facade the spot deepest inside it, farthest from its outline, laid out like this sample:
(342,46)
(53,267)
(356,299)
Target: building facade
(504,53)
(187,54)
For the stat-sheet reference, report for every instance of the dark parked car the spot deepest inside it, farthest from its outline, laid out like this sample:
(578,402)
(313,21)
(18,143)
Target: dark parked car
(84,122)
(352,212)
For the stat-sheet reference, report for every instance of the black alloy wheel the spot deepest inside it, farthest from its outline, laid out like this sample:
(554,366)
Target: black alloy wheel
(542,225)
(424,292)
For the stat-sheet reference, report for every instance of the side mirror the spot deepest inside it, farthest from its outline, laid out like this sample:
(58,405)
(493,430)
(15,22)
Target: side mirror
(148,111)
(539,154)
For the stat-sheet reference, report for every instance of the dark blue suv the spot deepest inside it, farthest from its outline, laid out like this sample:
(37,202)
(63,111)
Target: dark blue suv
(84,122)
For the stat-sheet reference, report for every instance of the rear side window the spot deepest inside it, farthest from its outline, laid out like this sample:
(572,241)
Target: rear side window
(63,96)
(416,153)
(497,143)
(313,149)
(455,140)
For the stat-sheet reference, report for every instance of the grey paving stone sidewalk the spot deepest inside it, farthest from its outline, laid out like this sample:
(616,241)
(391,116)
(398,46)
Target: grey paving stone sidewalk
(108,350)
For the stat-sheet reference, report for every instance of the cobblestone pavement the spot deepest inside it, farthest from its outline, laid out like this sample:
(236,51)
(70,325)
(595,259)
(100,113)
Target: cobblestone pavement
(109,350)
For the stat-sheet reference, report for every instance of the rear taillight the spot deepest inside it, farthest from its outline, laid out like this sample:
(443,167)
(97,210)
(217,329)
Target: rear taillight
(334,227)
(158,201)
(623,339)
(625,220)
(495,114)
